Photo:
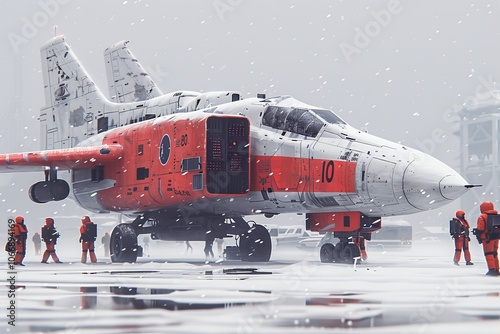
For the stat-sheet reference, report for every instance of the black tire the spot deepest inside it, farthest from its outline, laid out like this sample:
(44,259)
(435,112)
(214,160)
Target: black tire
(327,253)
(349,253)
(338,251)
(255,245)
(123,244)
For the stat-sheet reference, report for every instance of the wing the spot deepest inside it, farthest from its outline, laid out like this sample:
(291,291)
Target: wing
(64,159)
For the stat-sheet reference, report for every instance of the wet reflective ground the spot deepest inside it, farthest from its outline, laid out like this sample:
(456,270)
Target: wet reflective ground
(416,291)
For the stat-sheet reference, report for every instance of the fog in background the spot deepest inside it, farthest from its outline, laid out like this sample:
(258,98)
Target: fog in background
(399,69)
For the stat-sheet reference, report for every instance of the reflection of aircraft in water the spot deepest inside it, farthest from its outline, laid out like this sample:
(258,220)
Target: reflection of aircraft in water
(189,165)
(130,297)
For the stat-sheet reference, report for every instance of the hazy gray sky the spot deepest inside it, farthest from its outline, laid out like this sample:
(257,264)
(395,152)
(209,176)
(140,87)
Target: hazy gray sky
(398,68)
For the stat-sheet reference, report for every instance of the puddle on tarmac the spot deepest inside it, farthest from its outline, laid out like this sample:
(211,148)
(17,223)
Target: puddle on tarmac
(274,310)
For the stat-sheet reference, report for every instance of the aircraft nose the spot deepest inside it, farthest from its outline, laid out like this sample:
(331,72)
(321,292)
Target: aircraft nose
(428,183)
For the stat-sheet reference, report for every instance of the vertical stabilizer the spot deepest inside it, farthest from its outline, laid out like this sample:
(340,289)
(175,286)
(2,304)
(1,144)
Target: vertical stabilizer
(128,81)
(73,100)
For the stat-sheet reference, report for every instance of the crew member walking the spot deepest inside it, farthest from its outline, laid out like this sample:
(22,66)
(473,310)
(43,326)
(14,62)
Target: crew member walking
(209,242)
(88,234)
(490,247)
(49,236)
(189,247)
(37,241)
(105,243)
(20,232)
(462,239)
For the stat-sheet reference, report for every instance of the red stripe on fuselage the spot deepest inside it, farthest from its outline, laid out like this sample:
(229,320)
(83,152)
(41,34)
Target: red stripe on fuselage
(281,173)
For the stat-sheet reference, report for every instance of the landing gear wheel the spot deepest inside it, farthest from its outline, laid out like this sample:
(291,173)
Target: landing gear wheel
(338,251)
(255,245)
(349,253)
(327,253)
(123,244)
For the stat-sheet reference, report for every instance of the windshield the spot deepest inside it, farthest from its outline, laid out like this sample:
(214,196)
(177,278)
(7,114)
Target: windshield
(300,121)
(328,116)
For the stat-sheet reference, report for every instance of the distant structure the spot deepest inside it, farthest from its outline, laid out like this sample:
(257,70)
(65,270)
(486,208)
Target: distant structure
(480,143)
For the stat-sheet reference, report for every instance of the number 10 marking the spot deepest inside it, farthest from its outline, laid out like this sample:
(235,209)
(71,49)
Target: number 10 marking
(327,171)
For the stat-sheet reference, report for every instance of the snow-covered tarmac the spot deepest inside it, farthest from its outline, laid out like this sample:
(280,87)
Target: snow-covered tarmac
(416,291)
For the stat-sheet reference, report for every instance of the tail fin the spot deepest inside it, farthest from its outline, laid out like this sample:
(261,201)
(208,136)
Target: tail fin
(128,81)
(73,100)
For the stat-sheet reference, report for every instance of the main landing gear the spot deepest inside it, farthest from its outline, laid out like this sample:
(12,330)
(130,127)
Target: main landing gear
(254,241)
(123,244)
(254,245)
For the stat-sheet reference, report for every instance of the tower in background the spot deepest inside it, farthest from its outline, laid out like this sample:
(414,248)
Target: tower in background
(480,154)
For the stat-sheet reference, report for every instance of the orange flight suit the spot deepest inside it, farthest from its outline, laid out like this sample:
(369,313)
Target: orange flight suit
(490,247)
(50,238)
(360,242)
(20,232)
(462,240)
(87,241)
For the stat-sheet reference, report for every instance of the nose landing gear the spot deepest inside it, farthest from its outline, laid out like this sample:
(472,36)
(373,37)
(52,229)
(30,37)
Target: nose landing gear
(343,252)
(351,228)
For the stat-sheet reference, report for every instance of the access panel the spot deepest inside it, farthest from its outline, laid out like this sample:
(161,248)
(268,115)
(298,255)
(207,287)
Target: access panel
(228,155)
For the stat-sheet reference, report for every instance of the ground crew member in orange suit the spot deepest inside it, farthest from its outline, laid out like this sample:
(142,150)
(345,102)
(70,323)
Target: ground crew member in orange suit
(360,242)
(20,232)
(462,239)
(49,236)
(490,247)
(88,234)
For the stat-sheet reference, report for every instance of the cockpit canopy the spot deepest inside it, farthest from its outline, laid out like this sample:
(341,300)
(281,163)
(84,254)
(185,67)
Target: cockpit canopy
(307,122)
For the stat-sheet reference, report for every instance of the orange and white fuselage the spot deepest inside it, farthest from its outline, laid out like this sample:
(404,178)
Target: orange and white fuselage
(333,168)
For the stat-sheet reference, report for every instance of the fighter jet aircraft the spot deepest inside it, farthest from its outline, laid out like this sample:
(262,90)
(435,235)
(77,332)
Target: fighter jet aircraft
(189,166)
